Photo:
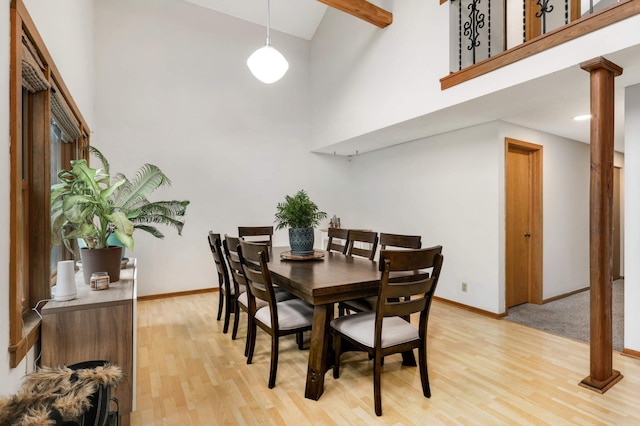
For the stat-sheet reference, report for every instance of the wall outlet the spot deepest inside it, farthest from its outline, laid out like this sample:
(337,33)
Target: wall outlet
(464,287)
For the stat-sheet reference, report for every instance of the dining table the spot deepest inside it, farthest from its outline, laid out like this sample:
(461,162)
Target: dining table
(322,281)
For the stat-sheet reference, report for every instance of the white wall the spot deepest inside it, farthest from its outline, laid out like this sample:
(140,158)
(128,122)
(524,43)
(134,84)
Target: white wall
(67,28)
(631,213)
(173,89)
(444,188)
(365,78)
(450,189)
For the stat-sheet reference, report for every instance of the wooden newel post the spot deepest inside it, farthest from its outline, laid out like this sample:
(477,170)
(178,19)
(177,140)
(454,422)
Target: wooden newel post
(603,73)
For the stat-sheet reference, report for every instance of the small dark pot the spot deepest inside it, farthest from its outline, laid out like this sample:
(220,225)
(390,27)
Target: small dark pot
(301,241)
(101,260)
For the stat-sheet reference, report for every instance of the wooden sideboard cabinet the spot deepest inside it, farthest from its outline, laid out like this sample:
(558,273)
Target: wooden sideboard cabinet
(96,325)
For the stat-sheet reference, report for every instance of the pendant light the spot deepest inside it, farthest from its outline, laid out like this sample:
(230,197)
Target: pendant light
(267,64)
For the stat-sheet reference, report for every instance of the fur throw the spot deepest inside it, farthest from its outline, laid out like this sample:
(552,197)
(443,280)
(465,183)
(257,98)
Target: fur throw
(51,396)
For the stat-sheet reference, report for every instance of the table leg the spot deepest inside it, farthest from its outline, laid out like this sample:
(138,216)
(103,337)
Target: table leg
(320,335)
(409,359)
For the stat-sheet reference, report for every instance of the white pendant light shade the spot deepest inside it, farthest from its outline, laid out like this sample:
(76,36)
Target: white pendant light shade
(267,64)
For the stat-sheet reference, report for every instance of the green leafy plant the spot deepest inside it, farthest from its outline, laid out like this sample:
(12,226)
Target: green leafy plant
(298,211)
(82,207)
(90,205)
(130,198)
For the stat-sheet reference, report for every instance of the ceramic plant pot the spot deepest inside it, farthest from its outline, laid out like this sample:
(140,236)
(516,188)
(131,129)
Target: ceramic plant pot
(301,241)
(111,241)
(101,260)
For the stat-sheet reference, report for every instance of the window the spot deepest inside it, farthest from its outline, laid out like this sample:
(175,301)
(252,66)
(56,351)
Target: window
(47,131)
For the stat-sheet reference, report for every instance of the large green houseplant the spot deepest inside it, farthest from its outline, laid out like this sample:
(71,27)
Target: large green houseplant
(88,205)
(82,208)
(300,215)
(130,198)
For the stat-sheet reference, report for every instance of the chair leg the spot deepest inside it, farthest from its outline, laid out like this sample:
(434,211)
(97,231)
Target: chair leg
(377,370)
(300,340)
(337,349)
(227,314)
(274,361)
(236,320)
(341,309)
(252,341)
(424,374)
(221,298)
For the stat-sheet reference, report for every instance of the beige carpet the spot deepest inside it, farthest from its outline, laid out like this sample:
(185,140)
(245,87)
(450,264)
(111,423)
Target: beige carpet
(569,316)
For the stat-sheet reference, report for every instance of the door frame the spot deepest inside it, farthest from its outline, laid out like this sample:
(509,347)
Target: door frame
(535,217)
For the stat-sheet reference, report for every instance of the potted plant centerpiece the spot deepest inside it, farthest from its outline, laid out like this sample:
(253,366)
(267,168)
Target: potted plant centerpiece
(300,215)
(88,205)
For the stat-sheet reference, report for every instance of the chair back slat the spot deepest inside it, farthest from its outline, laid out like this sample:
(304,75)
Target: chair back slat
(401,241)
(256,234)
(216,252)
(404,308)
(218,259)
(369,237)
(338,238)
(410,288)
(410,260)
(230,245)
(254,258)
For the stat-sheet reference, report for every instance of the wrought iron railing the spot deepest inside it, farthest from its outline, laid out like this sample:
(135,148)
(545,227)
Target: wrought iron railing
(483,28)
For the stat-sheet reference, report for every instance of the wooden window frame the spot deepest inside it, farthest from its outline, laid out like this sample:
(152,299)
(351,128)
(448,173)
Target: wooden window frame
(29,254)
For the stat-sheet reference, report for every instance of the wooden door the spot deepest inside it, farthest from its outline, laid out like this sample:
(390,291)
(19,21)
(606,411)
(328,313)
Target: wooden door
(523,223)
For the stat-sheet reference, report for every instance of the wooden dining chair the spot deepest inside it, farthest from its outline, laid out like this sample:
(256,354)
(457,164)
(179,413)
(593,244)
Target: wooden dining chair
(227,291)
(245,301)
(385,331)
(369,238)
(256,234)
(387,242)
(278,319)
(359,236)
(338,238)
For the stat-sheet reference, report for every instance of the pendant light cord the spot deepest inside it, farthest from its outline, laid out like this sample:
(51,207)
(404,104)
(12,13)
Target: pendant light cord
(268,23)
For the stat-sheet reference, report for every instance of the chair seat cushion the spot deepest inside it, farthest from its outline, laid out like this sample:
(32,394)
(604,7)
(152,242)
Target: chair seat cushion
(292,313)
(242,300)
(360,327)
(280,296)
(363,304)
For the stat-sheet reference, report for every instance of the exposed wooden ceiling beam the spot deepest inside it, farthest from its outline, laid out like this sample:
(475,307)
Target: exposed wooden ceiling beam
(362,9)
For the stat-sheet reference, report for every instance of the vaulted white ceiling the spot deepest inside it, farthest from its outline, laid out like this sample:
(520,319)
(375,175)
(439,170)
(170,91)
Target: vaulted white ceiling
(551,101)
(296,17)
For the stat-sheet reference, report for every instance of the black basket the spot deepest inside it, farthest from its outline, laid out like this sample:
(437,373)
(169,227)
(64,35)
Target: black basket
(101,412)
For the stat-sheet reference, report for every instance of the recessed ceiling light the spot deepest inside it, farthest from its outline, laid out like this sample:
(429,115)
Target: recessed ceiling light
(582,117)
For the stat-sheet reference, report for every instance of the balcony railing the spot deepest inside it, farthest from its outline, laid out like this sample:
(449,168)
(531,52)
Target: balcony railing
(489,34)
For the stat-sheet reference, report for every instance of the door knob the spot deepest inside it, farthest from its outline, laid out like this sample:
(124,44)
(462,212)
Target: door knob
(527,234)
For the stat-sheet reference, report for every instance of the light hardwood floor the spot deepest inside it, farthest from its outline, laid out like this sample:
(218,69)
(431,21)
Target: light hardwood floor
(482,371)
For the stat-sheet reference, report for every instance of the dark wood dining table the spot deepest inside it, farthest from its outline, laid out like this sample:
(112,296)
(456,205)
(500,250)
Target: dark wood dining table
(323,282)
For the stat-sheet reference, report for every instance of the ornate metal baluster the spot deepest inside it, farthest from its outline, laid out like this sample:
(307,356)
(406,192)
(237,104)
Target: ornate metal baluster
(473,25)
(545,8)
(460,35)
(488,28)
